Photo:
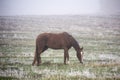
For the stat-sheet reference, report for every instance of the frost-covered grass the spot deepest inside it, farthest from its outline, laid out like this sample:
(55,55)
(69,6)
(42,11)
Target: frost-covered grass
(99,35)
(74,70)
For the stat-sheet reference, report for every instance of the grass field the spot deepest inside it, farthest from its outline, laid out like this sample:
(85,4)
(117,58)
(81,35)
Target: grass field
(99,35)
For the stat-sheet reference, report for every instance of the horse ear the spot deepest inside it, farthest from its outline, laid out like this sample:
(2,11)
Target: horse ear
(81,48)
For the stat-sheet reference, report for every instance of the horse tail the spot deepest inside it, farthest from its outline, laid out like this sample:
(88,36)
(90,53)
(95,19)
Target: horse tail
(36,50)
(35,54)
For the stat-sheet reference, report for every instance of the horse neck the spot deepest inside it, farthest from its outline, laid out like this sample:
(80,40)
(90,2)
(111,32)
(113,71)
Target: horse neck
(76,46)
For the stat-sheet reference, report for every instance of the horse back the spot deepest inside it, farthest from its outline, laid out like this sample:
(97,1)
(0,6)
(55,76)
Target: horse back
(55,41)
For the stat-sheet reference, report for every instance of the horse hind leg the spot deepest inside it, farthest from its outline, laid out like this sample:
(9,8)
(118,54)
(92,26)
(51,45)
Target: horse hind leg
(45,48)
(39,55)
(39,58)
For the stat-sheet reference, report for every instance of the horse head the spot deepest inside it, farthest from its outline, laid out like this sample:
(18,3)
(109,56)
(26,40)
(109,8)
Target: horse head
(81,51)
(80,55)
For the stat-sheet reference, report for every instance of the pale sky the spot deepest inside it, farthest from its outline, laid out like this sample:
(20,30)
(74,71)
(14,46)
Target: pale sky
(49,7)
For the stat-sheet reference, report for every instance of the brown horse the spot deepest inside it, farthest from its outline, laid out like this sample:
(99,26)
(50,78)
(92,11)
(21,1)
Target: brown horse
(56,41)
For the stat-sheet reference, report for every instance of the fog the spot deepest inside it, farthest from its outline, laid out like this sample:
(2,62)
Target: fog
(57,7)
(110,6)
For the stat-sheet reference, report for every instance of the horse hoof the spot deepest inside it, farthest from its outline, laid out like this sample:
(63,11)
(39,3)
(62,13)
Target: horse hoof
(65,64)
(32,64)
(81,62)
(37,64)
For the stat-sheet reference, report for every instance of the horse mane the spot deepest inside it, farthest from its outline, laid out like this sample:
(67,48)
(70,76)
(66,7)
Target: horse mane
(73,42)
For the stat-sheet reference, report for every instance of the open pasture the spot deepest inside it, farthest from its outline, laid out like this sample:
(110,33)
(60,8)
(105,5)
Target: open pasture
(99,35)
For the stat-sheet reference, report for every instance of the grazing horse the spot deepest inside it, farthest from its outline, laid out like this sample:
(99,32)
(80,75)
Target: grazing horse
(56,41)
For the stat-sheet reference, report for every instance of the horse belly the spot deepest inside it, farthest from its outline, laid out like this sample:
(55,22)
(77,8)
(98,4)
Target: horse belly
(55,45)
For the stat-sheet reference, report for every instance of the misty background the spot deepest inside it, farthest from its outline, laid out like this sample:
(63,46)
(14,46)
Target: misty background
(95,24)
(59,7)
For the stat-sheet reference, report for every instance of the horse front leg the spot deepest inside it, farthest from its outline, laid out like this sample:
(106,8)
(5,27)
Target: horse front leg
(66,56)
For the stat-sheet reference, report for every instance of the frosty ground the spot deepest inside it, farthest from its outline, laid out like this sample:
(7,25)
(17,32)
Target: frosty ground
(99,35)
